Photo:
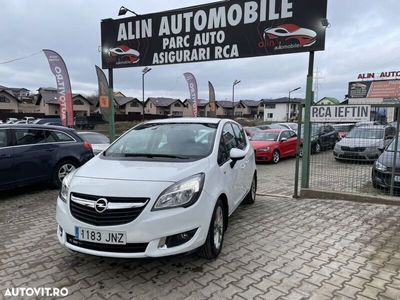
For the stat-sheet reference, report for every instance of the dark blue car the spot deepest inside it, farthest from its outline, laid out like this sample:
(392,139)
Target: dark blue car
(33,153)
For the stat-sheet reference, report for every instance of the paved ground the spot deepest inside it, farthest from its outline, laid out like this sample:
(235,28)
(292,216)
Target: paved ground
(277,248)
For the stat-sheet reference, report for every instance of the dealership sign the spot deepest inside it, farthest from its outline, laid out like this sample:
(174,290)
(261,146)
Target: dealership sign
(375,89)
(340,113)
(215,31)
(381,75)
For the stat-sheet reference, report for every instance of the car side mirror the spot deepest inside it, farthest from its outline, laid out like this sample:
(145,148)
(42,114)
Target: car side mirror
(283,140)
(235,155)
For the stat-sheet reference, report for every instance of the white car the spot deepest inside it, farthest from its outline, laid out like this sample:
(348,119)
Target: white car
(165,187)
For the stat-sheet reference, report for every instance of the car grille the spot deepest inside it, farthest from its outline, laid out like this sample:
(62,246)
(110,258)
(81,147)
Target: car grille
(120,210)
(127,248)
(353,149)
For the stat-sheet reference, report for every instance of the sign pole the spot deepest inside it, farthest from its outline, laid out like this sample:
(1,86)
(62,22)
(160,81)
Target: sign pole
(305,171)
(111,97)
(298,157)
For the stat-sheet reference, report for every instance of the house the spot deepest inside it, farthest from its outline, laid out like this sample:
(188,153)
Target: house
(328,101)
(225,108)
(128,105)
(8,102)
(48,104)
(252,108)
(281,109)
(201,108)
(165,107)
(19,93)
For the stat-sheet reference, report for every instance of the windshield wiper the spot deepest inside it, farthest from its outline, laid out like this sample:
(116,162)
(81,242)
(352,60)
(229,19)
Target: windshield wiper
(152,155)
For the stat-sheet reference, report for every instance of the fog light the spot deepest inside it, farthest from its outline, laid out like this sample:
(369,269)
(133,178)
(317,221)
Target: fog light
(180,238)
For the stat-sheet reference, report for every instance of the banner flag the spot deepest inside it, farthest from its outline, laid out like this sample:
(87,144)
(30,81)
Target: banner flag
(192,83)
(104,99)
(212,101)
(64,93)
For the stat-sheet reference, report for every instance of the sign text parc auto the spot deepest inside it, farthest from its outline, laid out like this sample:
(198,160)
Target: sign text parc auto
(215,31)
(340,113)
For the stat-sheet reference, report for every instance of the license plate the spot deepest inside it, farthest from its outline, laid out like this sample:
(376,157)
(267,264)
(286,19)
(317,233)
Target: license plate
(100,236)
(397,178)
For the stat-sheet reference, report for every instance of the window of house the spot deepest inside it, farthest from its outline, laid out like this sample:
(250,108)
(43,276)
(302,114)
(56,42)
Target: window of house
(177,104)
(134,104)
(270,115)
(270,106)
(78,102)
(151,105)
(4,99)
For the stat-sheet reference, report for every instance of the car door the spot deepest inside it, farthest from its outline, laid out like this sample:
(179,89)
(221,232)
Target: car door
(292,143)
(284,143)
(7,174)
(245,171)
(33,153)
(231,178)
(333,135)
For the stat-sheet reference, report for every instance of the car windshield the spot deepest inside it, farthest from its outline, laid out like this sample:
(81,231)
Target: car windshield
(366,133)
(95,138)
(265,136)
(166,140)
(343,128)
(392,145)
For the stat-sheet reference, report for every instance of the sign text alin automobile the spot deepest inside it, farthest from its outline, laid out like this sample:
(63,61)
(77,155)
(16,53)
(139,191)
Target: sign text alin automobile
(215,31)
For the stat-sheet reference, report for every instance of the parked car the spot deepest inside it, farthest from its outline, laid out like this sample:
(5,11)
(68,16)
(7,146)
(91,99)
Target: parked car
(289,125)
(270,126)
(250,131)
(11,120)
(273,144)
(363,143)
(367,123)
(163,188)
(30,154)
(323,137)
(382,169)
(29,120)
(343,129)
(98,141)
(49,121)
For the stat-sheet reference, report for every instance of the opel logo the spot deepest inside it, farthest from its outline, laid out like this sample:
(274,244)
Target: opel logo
(101,205)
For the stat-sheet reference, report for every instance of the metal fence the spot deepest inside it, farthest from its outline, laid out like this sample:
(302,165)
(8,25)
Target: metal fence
(358,158)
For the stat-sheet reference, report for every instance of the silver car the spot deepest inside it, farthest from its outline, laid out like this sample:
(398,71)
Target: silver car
(98,141)
(364,143)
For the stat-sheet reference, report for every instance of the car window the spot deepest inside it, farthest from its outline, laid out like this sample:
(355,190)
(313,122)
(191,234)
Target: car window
(62,137)
(240,137)
(3,138)
(31,136)
(285,134)
(292,134)
(227,142)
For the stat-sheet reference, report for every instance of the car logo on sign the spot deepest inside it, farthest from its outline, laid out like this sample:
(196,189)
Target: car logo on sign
(101,205)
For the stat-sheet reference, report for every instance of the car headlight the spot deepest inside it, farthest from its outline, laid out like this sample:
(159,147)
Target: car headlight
(65,186)
(380,167)
(181,194)
(265,149)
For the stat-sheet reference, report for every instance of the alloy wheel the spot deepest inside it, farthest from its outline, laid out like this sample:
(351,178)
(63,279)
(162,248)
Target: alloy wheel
(65,170)
(218,227)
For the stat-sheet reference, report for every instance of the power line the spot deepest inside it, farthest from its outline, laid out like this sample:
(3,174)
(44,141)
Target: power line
(20,58)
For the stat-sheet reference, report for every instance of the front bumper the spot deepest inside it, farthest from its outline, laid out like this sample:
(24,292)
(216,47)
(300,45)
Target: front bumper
(146,233)
(263,156)
(366,155)
(383,179)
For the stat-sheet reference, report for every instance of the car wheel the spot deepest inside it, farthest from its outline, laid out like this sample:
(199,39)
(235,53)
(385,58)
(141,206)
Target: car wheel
(215,237)
(251,196)
(61,170)
(276,156)
(301,151)
(317,147)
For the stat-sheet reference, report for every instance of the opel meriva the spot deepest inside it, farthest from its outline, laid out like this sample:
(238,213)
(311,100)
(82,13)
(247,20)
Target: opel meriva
(165,187)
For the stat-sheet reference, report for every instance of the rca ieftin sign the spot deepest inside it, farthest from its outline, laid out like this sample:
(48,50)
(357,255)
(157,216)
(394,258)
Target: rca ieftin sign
(215,31)
(341,113)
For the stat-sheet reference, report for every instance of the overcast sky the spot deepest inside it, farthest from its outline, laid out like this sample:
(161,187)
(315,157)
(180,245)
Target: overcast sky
(364,37)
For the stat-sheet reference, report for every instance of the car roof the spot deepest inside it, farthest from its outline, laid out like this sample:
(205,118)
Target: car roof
(188,120)
(35,126)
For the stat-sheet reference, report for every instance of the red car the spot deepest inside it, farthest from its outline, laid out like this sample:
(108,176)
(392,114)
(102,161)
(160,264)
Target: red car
(291,34)
(273,144)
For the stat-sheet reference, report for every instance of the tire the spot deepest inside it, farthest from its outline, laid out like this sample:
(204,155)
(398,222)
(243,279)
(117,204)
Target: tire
(251,195)
(61,170)
(301,151)
(317,148)
(276,156)
(215,237)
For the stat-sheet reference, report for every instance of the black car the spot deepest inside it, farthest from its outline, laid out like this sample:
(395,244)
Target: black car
(34,153)
(323,137)
(382,169)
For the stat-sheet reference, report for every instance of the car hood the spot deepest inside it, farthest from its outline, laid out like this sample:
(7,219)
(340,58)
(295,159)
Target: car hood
(260,144)
(386,158)
(131,170)
(359,142)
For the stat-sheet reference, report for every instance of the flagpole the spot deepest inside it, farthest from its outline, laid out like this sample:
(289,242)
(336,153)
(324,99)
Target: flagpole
(111,97)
